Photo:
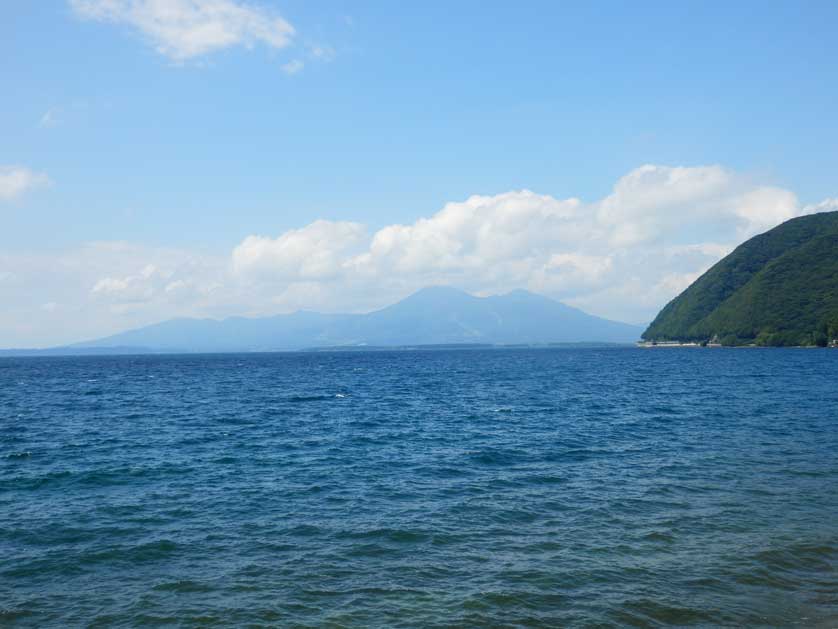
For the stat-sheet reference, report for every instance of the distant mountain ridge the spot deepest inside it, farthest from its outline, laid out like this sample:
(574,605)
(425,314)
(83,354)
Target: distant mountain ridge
(432,316)
(778,288)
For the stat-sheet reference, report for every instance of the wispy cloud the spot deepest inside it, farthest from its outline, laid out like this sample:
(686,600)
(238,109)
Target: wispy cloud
(293,67)
(321,53)
(185,29)
(315,53)
(51,118)
(17,180)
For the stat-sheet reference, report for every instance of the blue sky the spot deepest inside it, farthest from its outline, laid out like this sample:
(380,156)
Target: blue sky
(379,114)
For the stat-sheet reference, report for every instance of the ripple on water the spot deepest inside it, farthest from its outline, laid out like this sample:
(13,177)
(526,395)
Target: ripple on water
(576,488)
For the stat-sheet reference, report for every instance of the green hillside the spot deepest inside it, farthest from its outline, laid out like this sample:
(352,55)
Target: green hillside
(778,288)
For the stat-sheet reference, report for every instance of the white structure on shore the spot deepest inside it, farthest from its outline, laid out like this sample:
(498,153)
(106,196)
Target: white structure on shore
(714,342)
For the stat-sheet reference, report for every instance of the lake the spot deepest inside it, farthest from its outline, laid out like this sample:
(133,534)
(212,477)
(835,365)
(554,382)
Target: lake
(527,487)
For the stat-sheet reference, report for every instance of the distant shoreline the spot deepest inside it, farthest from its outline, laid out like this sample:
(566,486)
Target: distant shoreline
(102,352)
(650,344)
(144,351)
(676,344)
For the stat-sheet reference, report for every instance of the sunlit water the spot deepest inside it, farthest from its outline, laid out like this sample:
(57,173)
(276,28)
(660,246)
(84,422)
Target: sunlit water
(615,487)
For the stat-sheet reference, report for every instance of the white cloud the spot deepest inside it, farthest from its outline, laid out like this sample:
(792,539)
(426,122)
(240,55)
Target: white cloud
(652,201)
(293,67)
(623,256)
(827,205)
(17,180)
(315,252)
(137,287)
(185,29)
(763,208)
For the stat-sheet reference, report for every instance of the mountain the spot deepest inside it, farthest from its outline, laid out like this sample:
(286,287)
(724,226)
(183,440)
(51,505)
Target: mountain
(432,316)
(778,288)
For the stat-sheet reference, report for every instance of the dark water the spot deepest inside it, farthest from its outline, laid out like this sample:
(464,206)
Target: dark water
(468,488)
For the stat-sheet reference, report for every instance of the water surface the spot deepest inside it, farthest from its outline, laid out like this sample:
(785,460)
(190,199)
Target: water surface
(583,487)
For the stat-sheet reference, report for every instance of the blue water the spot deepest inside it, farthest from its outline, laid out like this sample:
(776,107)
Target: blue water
(584,487)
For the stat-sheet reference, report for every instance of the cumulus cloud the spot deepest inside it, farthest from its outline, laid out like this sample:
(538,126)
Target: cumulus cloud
(315,252)
(185,29)
(137,287)
(653,201)
(153,279)
(622,256)
(827,205)
(17,180)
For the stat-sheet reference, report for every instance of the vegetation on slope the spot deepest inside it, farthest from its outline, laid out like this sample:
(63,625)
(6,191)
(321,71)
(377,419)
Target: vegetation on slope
(778,288)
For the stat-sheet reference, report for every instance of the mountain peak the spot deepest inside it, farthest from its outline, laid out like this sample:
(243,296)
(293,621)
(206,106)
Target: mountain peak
(439,290)
(523,294)
(434,296)
(431,316)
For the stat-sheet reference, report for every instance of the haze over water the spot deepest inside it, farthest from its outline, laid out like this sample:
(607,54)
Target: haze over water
(568,487)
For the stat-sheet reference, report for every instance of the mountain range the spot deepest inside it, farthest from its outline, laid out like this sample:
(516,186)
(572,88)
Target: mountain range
(432,316)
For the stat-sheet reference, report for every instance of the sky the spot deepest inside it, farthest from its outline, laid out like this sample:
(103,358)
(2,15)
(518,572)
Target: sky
(211,158)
